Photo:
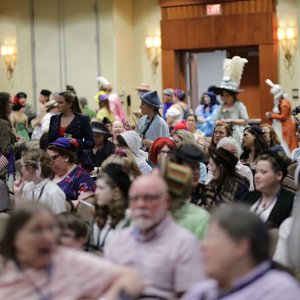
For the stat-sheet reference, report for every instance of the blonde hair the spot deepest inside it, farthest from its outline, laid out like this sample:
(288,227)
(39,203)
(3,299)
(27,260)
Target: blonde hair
(126,159)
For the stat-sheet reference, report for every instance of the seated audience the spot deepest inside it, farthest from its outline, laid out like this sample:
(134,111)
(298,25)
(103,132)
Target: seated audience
(271,138)
(35,183)
(230,144)
(227,186)
(179,180)
(72,179)
(73,231)
(166,255)
(103,147)
(272,203)
(191,121)
(237,262)
(161,147)
(33,267)
(206,113)
(181,137)
(221,130)
(131,140)
(254,145)
(110,205)
(125,159)
(116,129)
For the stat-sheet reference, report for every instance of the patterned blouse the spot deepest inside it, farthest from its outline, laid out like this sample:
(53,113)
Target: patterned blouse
(76,183)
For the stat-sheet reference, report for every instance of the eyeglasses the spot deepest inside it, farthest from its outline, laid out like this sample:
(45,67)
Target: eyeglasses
(164,152)
(147,198)
(54,157)
(38,231)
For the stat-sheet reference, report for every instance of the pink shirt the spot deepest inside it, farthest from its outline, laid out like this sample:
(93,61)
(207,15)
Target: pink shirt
(169,260)
(74,275)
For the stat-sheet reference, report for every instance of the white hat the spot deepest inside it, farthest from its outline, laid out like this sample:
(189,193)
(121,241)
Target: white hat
(232,73)
(276,90)
(102,81)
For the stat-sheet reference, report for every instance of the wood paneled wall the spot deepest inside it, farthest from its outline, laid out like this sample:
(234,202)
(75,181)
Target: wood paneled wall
(185,27)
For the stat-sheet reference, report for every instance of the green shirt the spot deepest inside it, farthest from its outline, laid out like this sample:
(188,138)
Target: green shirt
(193,218)
(89,112)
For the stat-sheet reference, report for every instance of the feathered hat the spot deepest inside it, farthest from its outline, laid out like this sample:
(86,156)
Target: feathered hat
(102,81)
(232,74)
(276,90)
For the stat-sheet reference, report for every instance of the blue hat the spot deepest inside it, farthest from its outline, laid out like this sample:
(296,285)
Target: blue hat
(62,142)
(152,99)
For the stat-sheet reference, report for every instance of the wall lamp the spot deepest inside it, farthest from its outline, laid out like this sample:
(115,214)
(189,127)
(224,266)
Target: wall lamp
(9,52)
(287,37)
(152,44)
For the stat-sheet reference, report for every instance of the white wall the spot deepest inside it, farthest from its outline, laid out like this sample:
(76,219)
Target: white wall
(287,16)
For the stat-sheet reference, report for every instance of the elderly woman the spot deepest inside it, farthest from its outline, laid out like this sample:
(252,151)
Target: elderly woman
(151,125)
(34,267)
(111,203)
(206,112)
(161,147)
(69,123)
(254,145)
(35,183)
(270,201)
(72,179)
(242,269)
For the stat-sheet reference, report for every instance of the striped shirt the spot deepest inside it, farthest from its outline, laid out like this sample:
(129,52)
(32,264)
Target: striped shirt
(74,275)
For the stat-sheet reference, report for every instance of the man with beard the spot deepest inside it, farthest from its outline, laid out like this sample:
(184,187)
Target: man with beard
(166,255)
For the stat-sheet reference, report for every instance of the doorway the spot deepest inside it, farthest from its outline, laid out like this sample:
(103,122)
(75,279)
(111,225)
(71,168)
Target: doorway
(205,68)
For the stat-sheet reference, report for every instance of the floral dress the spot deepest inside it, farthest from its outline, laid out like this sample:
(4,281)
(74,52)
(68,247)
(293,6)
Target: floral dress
(76,183)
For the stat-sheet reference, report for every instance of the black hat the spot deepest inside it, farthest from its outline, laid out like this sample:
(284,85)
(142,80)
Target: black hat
(224,157)
(45,93)
(119,176)
(151,98)
(99,127)
(190,153)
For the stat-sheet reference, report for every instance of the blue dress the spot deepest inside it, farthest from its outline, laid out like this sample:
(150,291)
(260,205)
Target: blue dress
(210,116)
(76,183)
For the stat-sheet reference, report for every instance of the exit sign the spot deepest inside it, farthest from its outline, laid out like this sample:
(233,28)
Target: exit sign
(213,9)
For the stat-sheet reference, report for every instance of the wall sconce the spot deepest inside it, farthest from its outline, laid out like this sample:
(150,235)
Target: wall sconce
(152,44)
(9,52)
(287,38)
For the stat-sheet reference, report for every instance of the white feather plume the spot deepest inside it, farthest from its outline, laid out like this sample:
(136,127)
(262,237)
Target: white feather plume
(102,81)
(237,68)
(227,68)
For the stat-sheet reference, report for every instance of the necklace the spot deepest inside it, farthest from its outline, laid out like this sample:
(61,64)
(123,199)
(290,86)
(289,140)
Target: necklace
(264,206)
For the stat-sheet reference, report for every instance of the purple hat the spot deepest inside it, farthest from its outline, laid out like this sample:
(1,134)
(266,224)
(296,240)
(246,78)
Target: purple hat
(102,97)
(62,142)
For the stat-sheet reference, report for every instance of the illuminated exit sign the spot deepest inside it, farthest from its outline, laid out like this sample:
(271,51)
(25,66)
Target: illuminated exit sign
(213,9)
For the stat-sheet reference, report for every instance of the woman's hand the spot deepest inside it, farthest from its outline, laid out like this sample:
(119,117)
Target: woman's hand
(268,115)
(19,186)
(147,143)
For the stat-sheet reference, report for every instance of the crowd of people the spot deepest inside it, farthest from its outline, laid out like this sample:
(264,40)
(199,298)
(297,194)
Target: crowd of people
(182,204)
